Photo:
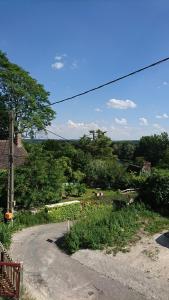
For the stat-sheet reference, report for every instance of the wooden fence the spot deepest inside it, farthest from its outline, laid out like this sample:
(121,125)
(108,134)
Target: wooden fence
(10,275)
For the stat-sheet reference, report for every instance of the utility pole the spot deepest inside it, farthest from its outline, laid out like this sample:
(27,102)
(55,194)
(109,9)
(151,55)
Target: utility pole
(92,132)
(10,196)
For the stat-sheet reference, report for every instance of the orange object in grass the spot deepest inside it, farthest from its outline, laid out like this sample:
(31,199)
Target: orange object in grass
(8,216)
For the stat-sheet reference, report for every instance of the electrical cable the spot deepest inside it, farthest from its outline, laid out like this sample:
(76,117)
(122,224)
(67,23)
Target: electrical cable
(110,82)
(57,135)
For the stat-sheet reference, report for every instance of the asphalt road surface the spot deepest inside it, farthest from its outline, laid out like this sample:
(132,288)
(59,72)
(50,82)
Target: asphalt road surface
(50,274)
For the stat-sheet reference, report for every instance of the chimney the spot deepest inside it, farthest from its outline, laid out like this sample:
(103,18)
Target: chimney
(18,140)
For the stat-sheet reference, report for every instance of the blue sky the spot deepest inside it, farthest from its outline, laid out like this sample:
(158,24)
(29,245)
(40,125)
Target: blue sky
(70,46)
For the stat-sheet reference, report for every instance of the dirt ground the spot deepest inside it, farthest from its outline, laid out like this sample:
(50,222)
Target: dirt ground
(144,269)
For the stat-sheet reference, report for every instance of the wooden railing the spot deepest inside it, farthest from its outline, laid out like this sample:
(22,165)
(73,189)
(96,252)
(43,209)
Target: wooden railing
(10,275)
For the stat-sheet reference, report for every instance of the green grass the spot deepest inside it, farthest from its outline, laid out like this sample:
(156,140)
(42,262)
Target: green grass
(65,212)
(109,197)
(105,228)
(26,219)
(99,223)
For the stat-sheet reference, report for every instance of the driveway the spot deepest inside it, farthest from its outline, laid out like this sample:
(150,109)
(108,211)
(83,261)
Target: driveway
(50,274)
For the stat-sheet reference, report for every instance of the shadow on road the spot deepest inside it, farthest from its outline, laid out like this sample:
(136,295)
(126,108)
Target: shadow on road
(163,240)
(60,243)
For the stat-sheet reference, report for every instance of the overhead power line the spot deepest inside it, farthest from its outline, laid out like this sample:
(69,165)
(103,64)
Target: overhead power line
(111,82)
(57,135)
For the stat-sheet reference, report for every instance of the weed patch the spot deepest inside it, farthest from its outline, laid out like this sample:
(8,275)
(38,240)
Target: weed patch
(113,230)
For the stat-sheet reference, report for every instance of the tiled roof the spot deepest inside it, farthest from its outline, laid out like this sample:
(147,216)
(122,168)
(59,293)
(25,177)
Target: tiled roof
(20,154)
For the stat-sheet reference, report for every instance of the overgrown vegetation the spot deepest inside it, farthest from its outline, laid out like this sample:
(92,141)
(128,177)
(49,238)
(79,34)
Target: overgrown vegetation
(114,229)
(60,171)
(26,219)
(65,212)
(155,190)
(55,170)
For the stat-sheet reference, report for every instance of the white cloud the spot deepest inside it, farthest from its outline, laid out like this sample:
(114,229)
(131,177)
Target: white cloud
(121,121)
(57,65)
(58,57)
(163,116)
(74,130)
(98,109)
(121,104)
(165,83)
(72,124)
(82,125)
(158,127)
(59,62)
(143,121)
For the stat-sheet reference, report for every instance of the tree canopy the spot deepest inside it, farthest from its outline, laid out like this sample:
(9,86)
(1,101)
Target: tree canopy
(153,147)
(25,96)
(99,146)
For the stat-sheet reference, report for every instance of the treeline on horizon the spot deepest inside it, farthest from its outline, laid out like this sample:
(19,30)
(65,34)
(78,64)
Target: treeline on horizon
(57,169)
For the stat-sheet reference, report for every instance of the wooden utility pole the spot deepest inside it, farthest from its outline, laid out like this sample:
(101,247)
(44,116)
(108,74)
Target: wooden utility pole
(93,134)
(10,199)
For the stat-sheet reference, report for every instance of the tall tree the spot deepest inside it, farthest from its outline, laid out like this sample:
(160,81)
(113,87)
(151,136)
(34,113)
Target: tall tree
(100,146)
(25,96)
(3,122)
(124,150)
(153,148)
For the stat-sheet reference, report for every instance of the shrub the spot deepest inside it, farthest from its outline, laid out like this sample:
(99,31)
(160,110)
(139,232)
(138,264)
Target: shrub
(38,182)
(6,234)
(81,189)
(3,185)
(25,219)
(103,228)
(135,181)
(155,190)
(107,173)
(65,212)
(74,189)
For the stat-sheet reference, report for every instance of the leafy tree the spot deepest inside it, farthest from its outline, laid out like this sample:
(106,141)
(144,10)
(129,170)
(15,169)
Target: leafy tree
(78,176)
(3,187)
(25,96)
(164,161)
(74,189)
(40,180)
(3,122)
(66,166)
(100,146)
(153,147)
(155,190)
(124,150)
(80,160)
(60,148)
(105,173)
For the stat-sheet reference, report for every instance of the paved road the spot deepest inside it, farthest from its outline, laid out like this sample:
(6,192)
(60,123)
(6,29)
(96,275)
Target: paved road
(50,274)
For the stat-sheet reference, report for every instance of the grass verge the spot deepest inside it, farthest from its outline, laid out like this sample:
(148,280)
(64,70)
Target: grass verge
(106,228)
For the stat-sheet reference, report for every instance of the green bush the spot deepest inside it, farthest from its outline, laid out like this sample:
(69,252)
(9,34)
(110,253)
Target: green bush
(74,189)
(103,228)
(39,181)
(155,190)
(65,212)
(26,219)
(108,173)
(3,187)
(135,181)
(6,231)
